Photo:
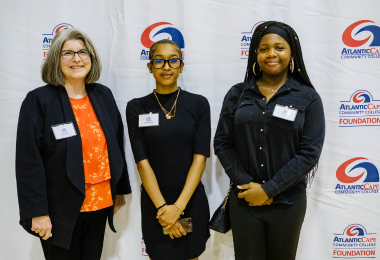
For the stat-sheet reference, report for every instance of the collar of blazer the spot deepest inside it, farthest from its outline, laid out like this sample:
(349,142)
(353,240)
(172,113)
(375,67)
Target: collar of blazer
(74,156)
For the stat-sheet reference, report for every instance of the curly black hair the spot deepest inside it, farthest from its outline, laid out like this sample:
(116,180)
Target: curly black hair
(300,73)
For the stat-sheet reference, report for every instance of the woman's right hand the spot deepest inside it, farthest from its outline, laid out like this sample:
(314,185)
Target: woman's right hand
(176,231)
(42,226)
(168,215)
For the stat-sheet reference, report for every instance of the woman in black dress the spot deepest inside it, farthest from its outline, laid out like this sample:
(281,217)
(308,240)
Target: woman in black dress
(170,133)
(269,139)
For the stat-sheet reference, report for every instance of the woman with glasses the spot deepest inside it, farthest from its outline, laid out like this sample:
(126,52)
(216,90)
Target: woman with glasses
(70,165)
(170,133)
(269,139)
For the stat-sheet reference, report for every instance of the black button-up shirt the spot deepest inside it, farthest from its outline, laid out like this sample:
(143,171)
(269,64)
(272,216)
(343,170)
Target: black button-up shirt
(255,146)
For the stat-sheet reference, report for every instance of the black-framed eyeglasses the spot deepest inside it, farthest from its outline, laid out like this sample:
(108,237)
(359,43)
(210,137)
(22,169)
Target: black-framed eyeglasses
(69,54)
(174,63)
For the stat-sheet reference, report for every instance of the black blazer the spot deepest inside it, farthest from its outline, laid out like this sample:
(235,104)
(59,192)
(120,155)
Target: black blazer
(49,172)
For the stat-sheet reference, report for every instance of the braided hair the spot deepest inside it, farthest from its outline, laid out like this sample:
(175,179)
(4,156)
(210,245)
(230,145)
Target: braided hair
(300,73)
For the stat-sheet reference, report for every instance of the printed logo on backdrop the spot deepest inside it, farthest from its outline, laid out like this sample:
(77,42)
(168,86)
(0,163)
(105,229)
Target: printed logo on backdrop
(48,38)
(355,242)
(160,31)
(362,39)
(143,249)
(357,176)
(360,110)
(245,41)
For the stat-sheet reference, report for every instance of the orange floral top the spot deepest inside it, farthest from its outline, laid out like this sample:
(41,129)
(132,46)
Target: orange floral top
(95,156)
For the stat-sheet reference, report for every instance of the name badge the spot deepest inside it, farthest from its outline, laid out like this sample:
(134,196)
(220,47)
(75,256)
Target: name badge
(147,120)
(285,112)
(64,130)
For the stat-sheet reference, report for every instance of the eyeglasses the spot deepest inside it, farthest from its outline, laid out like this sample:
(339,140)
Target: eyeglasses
(160,63)
(69,54)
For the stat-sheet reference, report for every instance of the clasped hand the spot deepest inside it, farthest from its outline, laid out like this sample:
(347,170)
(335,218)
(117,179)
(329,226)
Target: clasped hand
(168,218)
(254,194)
(42,226)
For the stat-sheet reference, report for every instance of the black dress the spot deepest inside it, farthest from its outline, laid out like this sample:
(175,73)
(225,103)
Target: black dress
(170,148)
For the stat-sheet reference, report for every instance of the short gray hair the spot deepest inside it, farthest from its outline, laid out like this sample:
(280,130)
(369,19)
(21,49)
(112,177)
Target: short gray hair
(51,69)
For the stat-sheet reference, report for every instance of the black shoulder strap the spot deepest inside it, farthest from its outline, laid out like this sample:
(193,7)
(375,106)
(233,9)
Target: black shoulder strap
(240,98)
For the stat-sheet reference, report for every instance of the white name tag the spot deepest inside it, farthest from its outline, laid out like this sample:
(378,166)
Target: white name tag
(64,130)
(285,112)
(148,120)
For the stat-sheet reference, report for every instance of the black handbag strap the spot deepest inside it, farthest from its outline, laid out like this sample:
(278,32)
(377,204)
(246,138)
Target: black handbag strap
(226,199)
(229,190)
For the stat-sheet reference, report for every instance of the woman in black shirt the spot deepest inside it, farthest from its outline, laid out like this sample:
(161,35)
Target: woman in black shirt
(170,134)
(269,139)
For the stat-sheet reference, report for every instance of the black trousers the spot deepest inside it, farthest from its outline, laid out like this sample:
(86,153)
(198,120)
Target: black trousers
(87,240)
(266,232)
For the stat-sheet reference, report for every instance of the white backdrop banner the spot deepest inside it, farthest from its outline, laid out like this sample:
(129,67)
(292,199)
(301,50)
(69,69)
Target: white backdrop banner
(341,48)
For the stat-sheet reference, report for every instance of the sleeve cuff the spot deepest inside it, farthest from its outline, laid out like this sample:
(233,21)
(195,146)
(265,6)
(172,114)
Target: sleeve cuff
(270,188)
(123,189)
(205,153)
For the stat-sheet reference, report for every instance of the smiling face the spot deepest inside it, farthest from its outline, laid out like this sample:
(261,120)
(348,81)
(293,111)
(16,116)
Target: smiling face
(166,76)
(274,55)
(75,69)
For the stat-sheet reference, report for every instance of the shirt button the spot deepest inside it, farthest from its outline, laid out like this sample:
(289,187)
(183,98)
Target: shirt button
(261,148)
(262,130)
(262,165)
(263,181)
(263,112)
(263,98)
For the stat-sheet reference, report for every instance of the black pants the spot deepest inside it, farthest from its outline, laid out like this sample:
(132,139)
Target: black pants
(266,232)
(87,240)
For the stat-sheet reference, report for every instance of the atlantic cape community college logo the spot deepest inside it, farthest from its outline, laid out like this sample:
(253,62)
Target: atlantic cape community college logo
(360,110)
(48,38)
(159,31)
(143,249)
(357,176)
(245,41)
(355,242)
(362,39)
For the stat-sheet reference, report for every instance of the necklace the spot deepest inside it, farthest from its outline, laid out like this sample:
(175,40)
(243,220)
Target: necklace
(270,90)
(168,114)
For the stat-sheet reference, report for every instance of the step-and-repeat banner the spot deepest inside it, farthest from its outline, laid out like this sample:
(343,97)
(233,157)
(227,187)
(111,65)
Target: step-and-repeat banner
(341,48)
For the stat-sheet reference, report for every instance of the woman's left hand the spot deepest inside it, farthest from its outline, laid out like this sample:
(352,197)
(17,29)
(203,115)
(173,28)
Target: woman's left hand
(119,202)
(168,215)
(253,194)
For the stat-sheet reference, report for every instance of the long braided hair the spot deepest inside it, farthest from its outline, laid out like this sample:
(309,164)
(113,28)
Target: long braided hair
(300,73)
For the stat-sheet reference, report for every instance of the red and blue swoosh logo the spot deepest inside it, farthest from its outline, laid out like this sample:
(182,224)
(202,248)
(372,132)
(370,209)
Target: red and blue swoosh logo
(351,42)
(175,34)
(355,230)
(59,27)
(361,97)
(372,172)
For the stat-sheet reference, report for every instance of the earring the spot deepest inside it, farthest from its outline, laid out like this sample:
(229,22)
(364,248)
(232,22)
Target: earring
(254,72)
(292,66)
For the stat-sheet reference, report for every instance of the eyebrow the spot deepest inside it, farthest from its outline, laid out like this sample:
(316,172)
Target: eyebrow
(159,55)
